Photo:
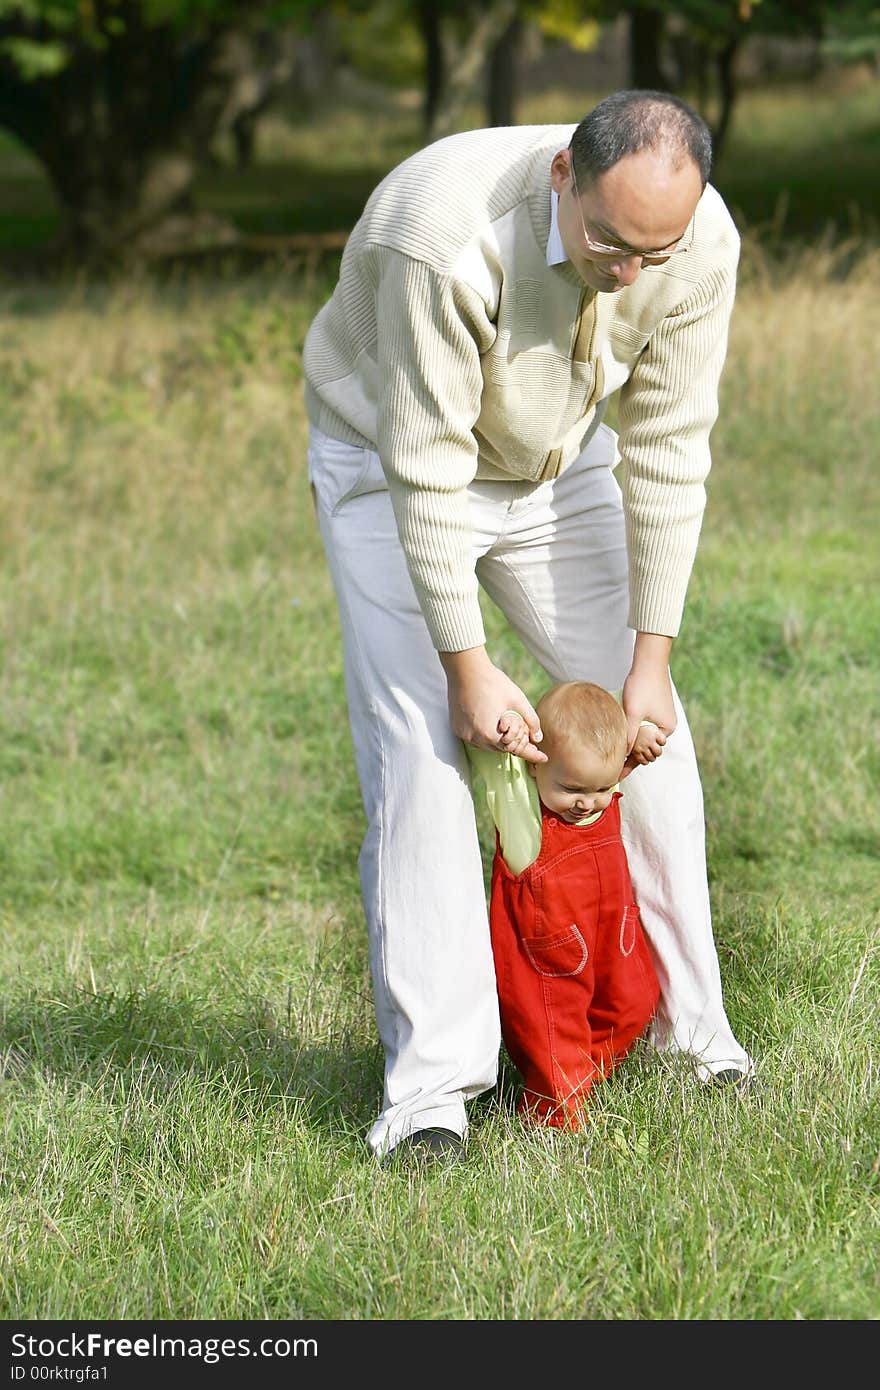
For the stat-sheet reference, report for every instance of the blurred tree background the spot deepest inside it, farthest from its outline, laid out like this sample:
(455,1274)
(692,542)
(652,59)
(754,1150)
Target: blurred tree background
(143,128)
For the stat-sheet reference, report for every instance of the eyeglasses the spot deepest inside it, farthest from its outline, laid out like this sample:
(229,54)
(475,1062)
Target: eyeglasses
(599,248)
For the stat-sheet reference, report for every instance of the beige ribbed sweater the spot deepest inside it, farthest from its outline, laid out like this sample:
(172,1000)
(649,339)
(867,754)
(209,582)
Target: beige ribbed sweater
(453,349)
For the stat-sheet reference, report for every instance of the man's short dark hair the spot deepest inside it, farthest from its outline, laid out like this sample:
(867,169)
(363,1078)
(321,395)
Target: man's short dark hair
(639,119)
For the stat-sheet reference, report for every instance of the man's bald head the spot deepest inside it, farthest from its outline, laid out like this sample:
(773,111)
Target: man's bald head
(629,122)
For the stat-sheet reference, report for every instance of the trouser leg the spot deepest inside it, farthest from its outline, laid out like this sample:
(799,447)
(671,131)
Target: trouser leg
(559,574)
(664,834)
(420,865)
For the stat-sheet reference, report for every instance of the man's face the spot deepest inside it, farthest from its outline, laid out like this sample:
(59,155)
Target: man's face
(640,204)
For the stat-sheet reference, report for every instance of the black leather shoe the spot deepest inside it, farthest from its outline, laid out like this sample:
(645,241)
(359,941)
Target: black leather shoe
(428,1146)
(732,1076)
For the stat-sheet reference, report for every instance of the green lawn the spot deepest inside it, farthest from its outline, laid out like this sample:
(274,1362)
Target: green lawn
(188,1059)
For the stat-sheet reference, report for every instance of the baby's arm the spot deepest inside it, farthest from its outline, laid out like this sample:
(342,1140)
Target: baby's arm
(513,733)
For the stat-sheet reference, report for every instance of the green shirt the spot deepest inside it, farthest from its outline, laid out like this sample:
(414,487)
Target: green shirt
(514,805)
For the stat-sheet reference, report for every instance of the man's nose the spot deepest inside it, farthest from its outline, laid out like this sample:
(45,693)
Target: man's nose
(626,268)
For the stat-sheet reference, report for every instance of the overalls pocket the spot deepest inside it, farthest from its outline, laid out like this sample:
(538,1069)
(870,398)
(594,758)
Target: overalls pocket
(629,929)
(563,954)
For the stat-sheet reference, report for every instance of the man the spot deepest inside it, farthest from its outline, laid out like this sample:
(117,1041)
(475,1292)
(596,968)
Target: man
(499,287)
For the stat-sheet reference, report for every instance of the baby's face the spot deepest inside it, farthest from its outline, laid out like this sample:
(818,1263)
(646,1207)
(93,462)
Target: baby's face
(575,782)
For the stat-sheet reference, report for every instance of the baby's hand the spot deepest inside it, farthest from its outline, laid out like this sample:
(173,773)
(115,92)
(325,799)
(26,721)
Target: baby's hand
(648,745)
(513,733)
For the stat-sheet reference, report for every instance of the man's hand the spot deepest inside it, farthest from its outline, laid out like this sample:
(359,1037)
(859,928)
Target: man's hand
(482,698)
(647,696)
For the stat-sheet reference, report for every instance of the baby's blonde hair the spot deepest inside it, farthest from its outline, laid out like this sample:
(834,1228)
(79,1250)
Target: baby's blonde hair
(585,714)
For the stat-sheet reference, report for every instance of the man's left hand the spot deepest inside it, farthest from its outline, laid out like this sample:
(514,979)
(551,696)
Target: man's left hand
(647,696)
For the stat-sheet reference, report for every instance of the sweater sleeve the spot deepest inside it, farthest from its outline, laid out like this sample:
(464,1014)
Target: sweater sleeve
(667,410)
(432,330)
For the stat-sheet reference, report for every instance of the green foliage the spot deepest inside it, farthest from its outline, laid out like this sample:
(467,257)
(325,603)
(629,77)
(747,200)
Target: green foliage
(852,31)
(85,17)
(569,20)
(40,36)
(34,59)
(381,41)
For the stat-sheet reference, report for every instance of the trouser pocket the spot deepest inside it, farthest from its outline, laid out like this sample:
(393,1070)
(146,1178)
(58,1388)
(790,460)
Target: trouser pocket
(339,472)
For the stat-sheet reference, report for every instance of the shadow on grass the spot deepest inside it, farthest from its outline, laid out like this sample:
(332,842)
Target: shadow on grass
(158,1039)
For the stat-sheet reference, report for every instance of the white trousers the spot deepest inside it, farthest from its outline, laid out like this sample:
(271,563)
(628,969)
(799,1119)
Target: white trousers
(553,558)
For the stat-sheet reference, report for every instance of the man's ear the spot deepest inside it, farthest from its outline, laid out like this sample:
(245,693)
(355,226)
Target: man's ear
(560,171)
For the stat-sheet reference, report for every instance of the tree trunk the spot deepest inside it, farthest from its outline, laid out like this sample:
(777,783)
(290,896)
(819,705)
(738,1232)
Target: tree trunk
(435,60)
(645,38)
(702,64)
(727,94)
(265,61)
(466,61)
(122,131)
(502,74)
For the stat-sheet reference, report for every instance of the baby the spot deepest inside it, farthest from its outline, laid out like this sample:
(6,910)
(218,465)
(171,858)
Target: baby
(576,983)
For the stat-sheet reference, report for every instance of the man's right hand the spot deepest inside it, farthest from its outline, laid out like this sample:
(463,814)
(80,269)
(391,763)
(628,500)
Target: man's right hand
(479,694)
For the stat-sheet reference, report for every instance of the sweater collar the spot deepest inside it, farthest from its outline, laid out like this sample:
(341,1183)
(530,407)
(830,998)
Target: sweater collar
(542,214)
(556,253)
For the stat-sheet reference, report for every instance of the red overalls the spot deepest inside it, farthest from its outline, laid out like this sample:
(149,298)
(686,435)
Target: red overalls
(576,983)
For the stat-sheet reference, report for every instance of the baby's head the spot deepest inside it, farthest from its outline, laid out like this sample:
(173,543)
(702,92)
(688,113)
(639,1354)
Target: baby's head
(585,739)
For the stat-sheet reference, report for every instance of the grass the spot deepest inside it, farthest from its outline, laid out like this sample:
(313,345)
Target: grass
(188,1059)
